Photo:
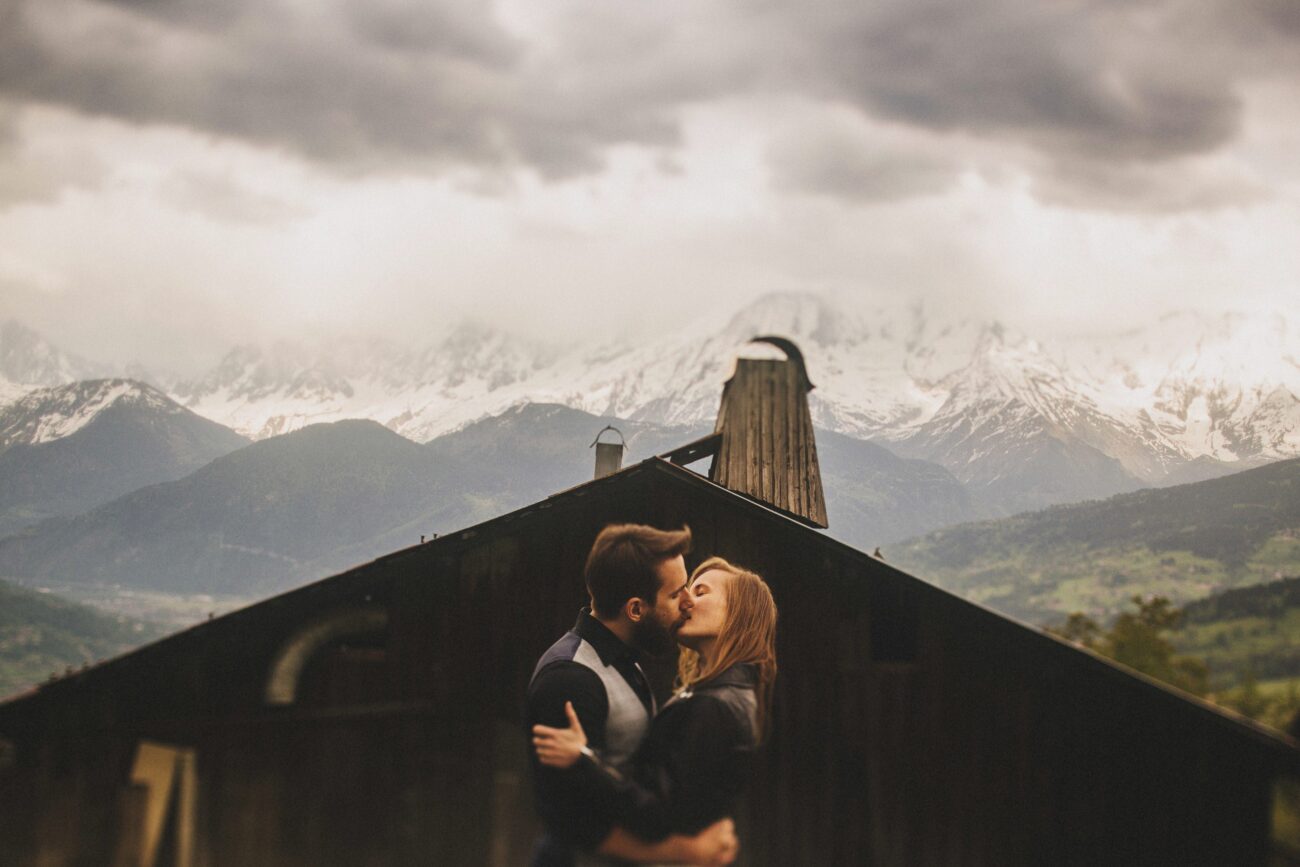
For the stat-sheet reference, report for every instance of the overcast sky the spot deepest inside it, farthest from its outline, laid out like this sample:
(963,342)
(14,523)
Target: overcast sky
(180,175)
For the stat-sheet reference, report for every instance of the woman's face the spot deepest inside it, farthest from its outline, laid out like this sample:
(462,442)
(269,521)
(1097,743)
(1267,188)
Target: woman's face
(705,607)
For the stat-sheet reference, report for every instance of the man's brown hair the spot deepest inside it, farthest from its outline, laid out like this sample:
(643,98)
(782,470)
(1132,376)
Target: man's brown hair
(623,562)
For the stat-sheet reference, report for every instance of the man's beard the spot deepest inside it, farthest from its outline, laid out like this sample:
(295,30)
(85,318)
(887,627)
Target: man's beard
(654,638)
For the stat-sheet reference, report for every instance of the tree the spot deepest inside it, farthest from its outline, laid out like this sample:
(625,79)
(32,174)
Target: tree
(1078,628)
(1137,639)
(1247,699)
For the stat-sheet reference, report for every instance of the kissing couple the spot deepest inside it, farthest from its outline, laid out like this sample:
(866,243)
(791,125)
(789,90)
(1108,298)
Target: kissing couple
(617,779)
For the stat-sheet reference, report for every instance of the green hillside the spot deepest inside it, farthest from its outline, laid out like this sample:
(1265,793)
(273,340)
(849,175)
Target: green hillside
(41,634)
(1184,543)
(1253,632)
(273,514)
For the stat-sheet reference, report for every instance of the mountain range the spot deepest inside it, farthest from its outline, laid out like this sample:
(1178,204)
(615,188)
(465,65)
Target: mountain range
(295,507)
(923,428)
(69,448)
(1022,422)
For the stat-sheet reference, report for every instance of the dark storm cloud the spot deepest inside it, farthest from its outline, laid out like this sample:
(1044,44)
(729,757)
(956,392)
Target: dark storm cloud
(1274,22)
(1107,104)
(1062,76)
(454,28)
(1281,14)
(1152,188)
(192,14)
(382,86)
(313,86)
(400,83)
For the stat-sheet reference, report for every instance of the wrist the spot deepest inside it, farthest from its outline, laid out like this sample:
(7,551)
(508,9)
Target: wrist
(678,848)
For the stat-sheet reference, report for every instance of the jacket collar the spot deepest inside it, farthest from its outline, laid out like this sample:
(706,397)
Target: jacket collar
(744,675)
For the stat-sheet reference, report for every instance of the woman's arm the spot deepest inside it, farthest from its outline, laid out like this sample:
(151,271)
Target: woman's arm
(682,785)
(714,846)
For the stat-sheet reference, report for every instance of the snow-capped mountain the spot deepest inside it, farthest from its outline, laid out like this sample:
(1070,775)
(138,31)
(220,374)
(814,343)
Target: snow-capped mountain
(476,371)
(1221,387)
(72,447)
(473,372)
(1027,421)
(48,414)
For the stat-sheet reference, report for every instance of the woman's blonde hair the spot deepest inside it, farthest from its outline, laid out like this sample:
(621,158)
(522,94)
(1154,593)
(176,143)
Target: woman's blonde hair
(748,635)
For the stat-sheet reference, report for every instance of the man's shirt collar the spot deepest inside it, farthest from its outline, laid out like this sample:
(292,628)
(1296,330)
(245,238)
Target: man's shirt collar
(609,647)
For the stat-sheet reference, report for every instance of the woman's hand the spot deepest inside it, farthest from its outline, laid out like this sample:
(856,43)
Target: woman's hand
(560,748)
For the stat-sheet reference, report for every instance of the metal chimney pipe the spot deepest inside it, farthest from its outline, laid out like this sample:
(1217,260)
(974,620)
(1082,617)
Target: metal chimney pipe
(609,456)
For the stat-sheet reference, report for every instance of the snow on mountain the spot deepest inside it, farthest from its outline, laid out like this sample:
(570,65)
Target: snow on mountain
(477,371)
(1189,387)
(472,372)
(47,414)
(1218,387)
(1232,396)
(70,448)
(1187,397)
(1271,430)
(264,392)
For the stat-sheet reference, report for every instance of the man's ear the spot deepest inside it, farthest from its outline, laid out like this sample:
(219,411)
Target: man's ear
(634,608)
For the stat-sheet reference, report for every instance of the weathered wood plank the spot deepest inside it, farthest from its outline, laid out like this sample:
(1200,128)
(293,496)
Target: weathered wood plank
(767,449)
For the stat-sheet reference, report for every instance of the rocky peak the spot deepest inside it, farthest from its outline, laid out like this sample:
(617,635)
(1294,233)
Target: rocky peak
(48,414)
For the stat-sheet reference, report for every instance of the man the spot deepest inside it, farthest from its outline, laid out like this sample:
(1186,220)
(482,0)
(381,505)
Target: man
(635,575)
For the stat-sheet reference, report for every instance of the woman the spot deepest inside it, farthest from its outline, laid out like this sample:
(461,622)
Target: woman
(689,771)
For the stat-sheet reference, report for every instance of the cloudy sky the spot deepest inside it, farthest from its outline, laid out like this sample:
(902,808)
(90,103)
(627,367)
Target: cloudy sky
(179,175)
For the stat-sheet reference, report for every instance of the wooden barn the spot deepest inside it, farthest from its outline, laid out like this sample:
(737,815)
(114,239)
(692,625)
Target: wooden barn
(374,717)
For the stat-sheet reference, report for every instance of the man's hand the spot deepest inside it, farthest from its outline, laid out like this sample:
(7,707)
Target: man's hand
(560,748)
(715,845)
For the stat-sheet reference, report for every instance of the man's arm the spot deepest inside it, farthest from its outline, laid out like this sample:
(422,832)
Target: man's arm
(567,805)
(715,845)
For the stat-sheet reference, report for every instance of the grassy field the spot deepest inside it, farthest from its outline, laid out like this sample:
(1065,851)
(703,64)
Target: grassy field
(1247,634)
(47,630)
(1044,586)
(169,611)
(43,635)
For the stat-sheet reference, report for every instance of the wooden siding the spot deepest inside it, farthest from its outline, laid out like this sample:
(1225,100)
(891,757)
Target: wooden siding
(975,742)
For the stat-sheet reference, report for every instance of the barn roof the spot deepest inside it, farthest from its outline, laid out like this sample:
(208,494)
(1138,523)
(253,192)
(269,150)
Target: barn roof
(1037,642)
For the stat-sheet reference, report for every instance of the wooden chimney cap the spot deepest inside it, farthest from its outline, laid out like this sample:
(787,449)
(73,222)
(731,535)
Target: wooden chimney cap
(792,353)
